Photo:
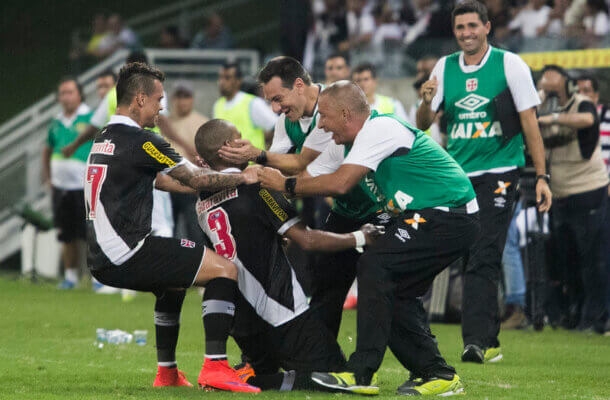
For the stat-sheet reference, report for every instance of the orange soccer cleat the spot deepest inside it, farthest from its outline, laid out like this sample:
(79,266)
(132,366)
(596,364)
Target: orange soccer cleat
(217,374)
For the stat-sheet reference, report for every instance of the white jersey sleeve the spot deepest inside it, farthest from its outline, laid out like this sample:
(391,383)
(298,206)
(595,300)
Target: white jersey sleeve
(100,117)
(328,161)
(439,72)
(262,115)
(318,139)
(520,82)
(377,140)
(281,142)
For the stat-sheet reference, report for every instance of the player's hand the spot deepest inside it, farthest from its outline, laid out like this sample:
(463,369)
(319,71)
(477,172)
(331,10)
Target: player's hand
(238,151)
(544,197)
(68,150)
(371,232)
(250,174)
(271,178)
(428,90)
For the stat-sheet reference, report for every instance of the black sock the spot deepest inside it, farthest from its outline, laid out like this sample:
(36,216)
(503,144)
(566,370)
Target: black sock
(167,324)
(218,308)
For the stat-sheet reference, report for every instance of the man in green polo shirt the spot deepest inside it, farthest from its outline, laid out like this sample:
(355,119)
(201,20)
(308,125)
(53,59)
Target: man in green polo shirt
(464,85)
(65,175)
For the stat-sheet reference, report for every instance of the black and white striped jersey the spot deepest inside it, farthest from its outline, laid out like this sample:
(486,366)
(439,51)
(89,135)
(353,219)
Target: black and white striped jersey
(246,225)
(121,169)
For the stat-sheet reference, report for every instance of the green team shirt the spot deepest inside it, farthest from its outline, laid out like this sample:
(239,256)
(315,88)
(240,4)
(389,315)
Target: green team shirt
(473,132)
(60,135)
(412,172)
(360,202)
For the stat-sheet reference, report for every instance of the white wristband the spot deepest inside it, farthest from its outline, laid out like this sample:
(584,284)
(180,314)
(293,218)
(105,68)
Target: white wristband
(360,239)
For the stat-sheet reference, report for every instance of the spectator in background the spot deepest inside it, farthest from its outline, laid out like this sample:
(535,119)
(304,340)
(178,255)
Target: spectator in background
(588,86)
(429,20)
(105,81)
(185,121)
(169,38)
(214,35)
(98,33)
(531,20)
(365,76)
(499,16)
(295,21)
(336,68)
(118,37)
(360,27)
(250,114)
(64,175)
(595,22)
(329,29)
(570,128)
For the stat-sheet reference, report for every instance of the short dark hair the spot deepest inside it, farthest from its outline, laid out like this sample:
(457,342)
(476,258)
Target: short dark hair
(287,69)
(365,66)
(107,72)
(136,77)
(210,137)
(470,6)
(591,78)
(344,56)
(231,65)
(79,87)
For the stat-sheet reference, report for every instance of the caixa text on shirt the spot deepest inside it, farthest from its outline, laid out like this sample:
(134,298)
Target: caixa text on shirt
(106,147)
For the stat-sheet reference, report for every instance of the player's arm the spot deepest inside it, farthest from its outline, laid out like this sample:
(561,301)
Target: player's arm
(425,115)
(533,140)
(168,184)
(241,150)
(209,180)
(46,165)
(338,183)
(82,138)
(318,240)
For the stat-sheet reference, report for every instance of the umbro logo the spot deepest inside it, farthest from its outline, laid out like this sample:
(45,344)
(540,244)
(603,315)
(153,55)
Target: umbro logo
(383,218)
(472,102)
(402,235)
(499,202)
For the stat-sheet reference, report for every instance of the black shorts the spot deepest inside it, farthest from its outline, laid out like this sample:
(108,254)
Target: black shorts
(69,214)
(303,344)
(161,263)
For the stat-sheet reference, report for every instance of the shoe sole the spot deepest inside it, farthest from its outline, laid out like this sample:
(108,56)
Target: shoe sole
(456,392)
(497,358)
(238,388)
(364,390)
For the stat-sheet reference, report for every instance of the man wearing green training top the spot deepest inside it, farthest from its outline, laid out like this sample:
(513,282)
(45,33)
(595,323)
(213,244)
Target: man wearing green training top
(482,138)
(431,221)
(65,175)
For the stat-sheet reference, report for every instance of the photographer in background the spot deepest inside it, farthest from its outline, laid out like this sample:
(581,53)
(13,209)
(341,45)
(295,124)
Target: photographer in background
(570,129)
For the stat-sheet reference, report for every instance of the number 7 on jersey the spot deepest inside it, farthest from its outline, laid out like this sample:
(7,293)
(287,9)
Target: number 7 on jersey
(96,175)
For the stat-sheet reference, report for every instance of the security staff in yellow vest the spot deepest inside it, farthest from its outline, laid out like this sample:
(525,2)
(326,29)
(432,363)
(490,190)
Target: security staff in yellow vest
(570,129)
(365,76)
(250,114)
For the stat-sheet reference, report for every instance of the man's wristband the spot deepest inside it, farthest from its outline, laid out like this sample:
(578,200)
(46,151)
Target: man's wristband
(546,177)
(261,158)
(289,185)
(360,239)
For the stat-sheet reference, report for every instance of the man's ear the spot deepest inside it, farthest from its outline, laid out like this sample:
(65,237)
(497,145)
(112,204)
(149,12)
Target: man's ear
(140,98)
(201,163)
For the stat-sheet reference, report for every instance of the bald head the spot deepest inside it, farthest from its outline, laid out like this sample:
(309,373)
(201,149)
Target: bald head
(210,137)
(347,95)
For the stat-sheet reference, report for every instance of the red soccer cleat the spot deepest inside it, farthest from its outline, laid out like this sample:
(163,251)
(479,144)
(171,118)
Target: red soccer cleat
(170,377)
(217,374)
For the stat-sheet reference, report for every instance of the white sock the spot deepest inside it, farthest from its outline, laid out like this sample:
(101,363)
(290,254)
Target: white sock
(71,275)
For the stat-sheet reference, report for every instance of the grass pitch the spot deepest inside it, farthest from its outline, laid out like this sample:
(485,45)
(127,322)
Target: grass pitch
(47,351)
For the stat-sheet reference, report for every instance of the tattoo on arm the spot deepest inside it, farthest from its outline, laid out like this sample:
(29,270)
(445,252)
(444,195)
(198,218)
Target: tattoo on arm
(205,178)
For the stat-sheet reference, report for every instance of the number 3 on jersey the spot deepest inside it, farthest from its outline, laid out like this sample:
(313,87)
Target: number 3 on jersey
(224,244)
(96,175)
